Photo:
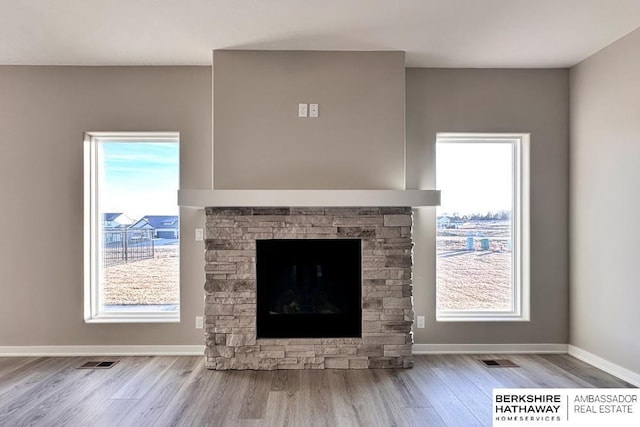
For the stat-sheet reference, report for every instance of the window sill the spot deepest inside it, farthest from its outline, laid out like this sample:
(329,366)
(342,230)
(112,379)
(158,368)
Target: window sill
(135,318)
(481,317)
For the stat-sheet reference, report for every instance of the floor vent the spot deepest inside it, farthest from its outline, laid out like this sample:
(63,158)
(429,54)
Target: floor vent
(97,365)
(499,363)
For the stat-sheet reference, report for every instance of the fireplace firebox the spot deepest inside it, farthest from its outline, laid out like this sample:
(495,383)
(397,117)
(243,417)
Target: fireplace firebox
(309,288)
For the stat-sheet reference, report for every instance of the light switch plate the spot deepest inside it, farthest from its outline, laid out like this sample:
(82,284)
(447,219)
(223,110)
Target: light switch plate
(199,234)
(302,110)
(313,110)
(420,322)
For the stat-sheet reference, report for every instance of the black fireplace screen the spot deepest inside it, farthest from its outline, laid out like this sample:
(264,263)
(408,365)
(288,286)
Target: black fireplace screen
(309,288)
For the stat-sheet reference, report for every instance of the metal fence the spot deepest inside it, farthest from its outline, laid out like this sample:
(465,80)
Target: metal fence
(123,245)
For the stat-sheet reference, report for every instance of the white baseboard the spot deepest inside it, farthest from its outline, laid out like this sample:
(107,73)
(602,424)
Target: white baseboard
(102,350)
(603,364)
(198,350)
(488,348)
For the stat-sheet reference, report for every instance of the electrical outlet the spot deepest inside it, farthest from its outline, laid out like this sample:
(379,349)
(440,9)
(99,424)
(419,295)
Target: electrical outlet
(420,322)
(199,234)
(199,322)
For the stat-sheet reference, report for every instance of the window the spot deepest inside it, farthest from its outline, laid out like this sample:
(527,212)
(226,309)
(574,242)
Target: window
(482,229)
(131,227)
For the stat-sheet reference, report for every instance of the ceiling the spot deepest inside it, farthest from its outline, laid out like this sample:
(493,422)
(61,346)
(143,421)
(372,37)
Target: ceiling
(434,33)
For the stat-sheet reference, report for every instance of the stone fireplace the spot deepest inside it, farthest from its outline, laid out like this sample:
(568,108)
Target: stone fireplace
(308,287)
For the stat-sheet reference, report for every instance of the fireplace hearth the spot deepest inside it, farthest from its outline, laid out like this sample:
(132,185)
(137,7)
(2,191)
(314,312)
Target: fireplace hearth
(341,298)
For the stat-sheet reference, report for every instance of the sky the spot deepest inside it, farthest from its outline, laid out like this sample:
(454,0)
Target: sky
(139,178)
(474,177)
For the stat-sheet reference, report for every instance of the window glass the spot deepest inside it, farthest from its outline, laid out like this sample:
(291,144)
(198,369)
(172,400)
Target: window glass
(478,234)
(135,262)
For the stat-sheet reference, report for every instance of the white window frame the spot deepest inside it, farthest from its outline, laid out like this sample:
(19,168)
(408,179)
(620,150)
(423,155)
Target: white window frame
(521,270)
(92,222)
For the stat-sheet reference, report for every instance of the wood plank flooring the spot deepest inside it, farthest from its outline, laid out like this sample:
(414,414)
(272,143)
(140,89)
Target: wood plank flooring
(443,390)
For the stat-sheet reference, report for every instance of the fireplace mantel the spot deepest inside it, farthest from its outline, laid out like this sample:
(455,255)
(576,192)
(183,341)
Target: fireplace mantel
(307,198)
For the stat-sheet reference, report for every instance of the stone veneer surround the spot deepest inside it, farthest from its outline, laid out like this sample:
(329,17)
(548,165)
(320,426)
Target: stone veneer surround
(230,289)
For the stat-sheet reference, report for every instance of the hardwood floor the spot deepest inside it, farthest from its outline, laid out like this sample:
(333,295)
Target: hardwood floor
(447,390)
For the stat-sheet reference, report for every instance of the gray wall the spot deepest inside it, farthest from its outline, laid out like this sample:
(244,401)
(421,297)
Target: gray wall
(43,114)
(474,100)
(45,110)
(605,160)
(356,142)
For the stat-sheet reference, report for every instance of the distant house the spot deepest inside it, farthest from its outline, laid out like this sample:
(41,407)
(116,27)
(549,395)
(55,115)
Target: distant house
(114,225)
(141,230)
(443,222)
(165,226)
(115,220)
